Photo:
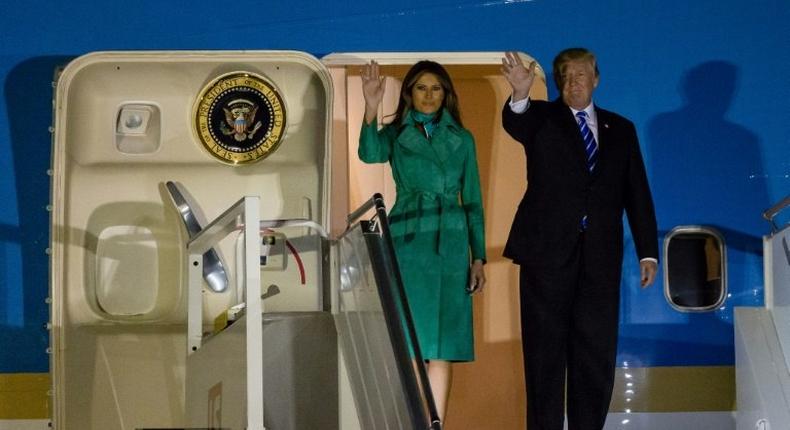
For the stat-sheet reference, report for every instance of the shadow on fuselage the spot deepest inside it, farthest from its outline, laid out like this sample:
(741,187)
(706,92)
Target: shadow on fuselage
(707,169)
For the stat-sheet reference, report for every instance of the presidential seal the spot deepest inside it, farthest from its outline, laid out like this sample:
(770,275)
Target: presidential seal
(240,118)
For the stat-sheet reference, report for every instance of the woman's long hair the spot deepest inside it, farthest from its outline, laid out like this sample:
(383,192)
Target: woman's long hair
(405,103)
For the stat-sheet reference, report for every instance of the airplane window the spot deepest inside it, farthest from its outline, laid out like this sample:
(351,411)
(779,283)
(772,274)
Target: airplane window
(695,268)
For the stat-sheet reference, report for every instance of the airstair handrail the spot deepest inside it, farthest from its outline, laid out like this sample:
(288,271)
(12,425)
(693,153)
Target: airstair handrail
(771,212)
(246,211)
(353,216)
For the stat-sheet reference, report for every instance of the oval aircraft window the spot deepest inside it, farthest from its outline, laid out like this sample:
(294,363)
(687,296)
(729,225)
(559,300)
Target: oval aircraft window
(695,270)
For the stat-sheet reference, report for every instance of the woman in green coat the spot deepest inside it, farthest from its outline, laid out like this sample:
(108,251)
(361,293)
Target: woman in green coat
(437,219)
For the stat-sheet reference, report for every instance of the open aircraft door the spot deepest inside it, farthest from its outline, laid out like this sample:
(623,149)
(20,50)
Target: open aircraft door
(148,146)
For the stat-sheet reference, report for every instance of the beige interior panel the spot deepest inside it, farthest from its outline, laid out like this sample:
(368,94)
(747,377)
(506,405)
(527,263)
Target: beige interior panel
(118,245)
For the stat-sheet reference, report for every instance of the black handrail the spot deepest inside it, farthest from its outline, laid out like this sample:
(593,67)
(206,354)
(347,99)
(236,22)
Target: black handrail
(771,212)
(377,199)
(402,354)
(373,222)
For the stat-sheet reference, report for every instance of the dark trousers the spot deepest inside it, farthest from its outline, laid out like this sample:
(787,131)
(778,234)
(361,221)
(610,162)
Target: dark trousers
(569,322)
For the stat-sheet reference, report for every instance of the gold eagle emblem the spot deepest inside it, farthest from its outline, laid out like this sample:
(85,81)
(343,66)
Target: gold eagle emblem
(239,118)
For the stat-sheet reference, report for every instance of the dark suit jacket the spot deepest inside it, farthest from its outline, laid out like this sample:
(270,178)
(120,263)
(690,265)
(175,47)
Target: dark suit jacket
(561,190)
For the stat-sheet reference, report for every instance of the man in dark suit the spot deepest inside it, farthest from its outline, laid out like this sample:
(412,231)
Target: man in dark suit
(584,168)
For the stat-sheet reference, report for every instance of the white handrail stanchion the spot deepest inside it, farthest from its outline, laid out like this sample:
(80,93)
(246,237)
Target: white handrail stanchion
(194,302)
(252,282)
(247,212)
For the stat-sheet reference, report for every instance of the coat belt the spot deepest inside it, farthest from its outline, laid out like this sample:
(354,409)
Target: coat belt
(414,209)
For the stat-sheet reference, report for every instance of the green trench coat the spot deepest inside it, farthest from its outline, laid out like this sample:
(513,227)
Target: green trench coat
(432,229)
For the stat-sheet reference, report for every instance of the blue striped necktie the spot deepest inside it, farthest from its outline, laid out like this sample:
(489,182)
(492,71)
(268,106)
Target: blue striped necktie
(590,146)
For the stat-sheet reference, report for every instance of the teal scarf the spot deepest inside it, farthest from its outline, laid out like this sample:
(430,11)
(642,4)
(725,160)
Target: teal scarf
(427,121)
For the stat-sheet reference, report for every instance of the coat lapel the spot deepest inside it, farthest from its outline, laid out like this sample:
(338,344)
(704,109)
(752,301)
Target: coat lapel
(604,143)
(443,145)
(412,140)
(569,126)
(446,141)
